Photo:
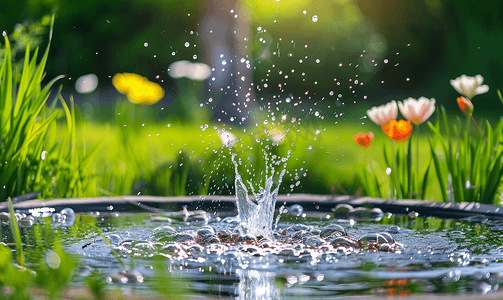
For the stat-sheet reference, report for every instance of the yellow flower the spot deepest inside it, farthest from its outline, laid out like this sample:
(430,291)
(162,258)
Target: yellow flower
(399,131)
(138,89)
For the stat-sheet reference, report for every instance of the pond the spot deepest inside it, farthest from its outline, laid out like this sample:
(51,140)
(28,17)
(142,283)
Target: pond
(430,255)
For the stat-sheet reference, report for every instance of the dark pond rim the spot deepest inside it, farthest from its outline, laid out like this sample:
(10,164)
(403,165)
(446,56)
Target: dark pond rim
(310,202)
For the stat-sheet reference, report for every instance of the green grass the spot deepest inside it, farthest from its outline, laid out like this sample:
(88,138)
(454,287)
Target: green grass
(147,159)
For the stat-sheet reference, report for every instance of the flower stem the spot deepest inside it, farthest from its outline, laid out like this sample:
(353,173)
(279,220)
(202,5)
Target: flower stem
(478,128)
(416,186)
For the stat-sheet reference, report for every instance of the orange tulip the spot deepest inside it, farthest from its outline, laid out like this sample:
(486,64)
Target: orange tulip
(465,105)
(399,131)
(363,139)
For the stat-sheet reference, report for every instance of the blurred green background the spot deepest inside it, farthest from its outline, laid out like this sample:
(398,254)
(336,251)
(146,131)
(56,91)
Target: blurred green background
(447,39)
(395,49)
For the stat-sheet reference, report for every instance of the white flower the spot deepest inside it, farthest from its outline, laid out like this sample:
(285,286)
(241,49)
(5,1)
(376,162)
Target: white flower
(228,139)
(417,111)
(383,114)
(470,86)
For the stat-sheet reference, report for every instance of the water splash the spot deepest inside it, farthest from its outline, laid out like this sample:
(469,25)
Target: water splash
(256,215)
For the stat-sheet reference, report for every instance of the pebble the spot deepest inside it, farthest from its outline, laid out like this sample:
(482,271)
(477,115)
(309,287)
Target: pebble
(184,236)
(163,234)
(372,237)
(330,229)
(302,235)
(314,241)
(247,238)
(27,222)
(210,239)
(344,241)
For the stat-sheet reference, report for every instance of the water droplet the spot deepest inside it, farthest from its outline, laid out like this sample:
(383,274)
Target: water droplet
(388,171)
(145,44)
(317,60)
(173,53)
(315,18)
(187,44)
(194,56)
(304,12)
(310,147)
(224,62)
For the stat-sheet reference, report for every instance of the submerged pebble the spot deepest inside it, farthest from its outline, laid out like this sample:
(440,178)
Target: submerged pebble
(163,233)
(127,276)
(330,229)
(27,222)
(314,241)
(188,235)
(247,238)
(372,237)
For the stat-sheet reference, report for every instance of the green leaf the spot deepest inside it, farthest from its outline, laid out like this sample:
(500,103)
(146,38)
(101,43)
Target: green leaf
(440,174)
(14,227)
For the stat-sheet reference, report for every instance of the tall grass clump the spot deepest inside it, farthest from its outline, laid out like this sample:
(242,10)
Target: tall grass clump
(36,154)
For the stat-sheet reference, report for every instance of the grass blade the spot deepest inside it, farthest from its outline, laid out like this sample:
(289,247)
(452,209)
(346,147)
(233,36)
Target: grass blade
(16,234)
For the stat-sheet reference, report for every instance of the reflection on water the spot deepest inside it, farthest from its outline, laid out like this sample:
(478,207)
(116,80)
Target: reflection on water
(256,285)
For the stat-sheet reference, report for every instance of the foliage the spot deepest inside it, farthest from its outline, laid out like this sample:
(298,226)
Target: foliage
(16,234)
(37,155)
(474,164)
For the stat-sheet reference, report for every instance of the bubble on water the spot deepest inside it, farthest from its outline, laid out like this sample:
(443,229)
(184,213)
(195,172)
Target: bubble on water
(145,44)
(295,210)
(315,18)
(187,44)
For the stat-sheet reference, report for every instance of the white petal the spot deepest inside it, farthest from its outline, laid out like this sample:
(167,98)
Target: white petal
(431,109)
(482,89)
(404,109)
(479,79)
